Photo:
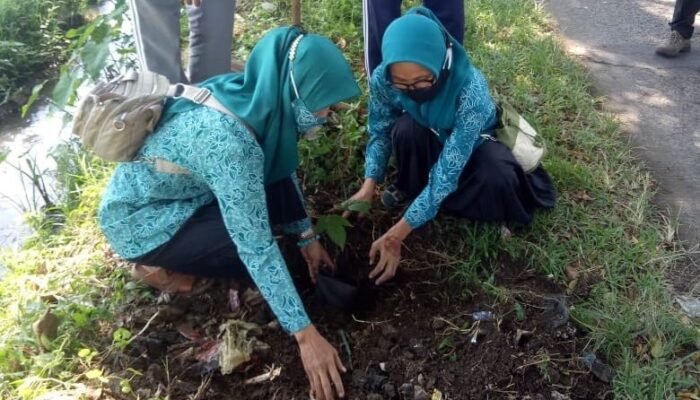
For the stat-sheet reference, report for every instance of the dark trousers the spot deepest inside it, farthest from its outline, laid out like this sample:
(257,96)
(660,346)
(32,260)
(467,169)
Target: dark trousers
(378,14)
(203,246)
(684,17)
(492,187)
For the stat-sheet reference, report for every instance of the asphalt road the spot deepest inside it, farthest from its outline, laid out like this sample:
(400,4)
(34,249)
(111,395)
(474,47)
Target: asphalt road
(657,99)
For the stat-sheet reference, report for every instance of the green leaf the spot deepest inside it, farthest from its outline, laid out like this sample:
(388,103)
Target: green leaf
(361,207)
(64,88)
(84,353)
(36,91)
(121,337)
(72,33)
(333,226)
(337,234)
(94,57)
(519,312)
(100,33)
(93,374)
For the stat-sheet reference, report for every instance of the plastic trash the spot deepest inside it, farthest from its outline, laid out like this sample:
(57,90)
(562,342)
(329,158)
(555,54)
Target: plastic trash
(599,369)
(482,316)
(343,294)
(689,305)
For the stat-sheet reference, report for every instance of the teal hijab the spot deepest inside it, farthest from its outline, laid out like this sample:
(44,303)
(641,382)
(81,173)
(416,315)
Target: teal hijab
(262,94)
(419,37)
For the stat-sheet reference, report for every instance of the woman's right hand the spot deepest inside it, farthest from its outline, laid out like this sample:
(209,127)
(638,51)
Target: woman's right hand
(321,363)
(366,194)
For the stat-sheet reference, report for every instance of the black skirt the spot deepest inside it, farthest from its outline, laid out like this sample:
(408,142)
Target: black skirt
(203,245)
(492,187)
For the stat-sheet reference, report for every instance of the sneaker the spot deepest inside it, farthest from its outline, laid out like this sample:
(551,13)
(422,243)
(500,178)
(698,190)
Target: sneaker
(394,198)
(675,45)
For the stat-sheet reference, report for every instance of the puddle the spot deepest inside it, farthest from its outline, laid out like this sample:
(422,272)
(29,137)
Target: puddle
(32,139)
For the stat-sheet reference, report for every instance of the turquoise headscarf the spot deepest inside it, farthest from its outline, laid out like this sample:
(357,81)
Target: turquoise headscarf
(419,37)
(262,94)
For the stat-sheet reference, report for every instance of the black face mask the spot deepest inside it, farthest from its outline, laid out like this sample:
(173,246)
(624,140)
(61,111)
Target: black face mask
(426,94)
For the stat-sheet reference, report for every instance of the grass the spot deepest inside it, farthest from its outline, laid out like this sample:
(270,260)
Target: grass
(604,225)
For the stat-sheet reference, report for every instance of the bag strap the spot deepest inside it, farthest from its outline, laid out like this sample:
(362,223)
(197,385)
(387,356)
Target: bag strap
(203,96)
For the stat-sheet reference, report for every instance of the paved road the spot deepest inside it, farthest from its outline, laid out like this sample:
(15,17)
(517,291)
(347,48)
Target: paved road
(658,99)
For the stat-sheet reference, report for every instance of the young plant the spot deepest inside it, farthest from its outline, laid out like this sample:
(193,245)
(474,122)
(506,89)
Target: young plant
(335,225)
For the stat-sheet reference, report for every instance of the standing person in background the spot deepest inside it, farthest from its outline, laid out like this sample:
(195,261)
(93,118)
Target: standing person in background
(157,37)
(681,28)
(378,14)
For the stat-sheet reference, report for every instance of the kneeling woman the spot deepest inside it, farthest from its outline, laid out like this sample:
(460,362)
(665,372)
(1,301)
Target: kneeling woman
(433,109)
(212,214)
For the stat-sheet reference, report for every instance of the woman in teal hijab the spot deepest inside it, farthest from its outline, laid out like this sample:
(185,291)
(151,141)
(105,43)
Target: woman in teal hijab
(432,108)
(207,190)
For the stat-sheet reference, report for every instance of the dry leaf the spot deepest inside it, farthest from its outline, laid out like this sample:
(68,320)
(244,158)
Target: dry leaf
(572,272)
(46,328)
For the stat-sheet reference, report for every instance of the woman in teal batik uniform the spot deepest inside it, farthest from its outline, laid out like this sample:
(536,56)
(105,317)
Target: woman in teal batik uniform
(217,218)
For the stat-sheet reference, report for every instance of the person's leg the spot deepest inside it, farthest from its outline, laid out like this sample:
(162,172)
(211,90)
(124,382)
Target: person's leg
(157,36)
(211,37)
(203,246)
(376,16)
(684,17)
(451,14)
(416,149)
(494,188)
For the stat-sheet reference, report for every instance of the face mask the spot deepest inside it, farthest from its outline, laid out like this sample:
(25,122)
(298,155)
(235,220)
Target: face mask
(426,94)
(308,125)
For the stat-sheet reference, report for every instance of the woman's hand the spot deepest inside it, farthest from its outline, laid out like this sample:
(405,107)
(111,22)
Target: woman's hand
(389,248)
(316,257)
(321,363)
(366,194)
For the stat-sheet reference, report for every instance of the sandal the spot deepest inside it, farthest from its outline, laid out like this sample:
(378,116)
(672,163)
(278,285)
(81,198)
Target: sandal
(169,281)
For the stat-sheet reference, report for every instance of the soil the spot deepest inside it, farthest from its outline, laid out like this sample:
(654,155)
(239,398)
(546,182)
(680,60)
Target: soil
(414,338)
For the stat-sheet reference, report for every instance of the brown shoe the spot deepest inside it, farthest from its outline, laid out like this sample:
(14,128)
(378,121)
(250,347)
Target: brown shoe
(675,45)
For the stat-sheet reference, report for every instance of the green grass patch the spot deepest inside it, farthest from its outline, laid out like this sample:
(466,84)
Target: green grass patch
(604,224)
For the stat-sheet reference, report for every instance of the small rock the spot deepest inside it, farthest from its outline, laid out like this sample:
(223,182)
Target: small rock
(431,383)
(558,396)
(389,390)
(382,366)
(374,396)
(419,393)
(421,379)
(267,6)
(406,391)
(438,324)
(389,332)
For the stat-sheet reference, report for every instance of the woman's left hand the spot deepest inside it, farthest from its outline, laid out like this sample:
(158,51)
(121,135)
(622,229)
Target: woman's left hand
(389,248)
(316,257)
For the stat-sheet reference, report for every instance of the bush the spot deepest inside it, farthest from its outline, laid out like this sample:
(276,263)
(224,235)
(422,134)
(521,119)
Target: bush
(32,40)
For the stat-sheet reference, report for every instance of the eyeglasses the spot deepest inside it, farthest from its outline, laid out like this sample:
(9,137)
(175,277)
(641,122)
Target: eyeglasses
(421,84)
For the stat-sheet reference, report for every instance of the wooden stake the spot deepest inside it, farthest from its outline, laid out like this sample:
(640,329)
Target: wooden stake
(296,12)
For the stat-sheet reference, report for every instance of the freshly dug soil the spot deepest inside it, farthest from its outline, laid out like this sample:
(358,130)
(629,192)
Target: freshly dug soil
(411,339)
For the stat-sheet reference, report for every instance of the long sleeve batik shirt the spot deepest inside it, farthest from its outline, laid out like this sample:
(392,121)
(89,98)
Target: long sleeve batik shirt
(476,113)
(143,208)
